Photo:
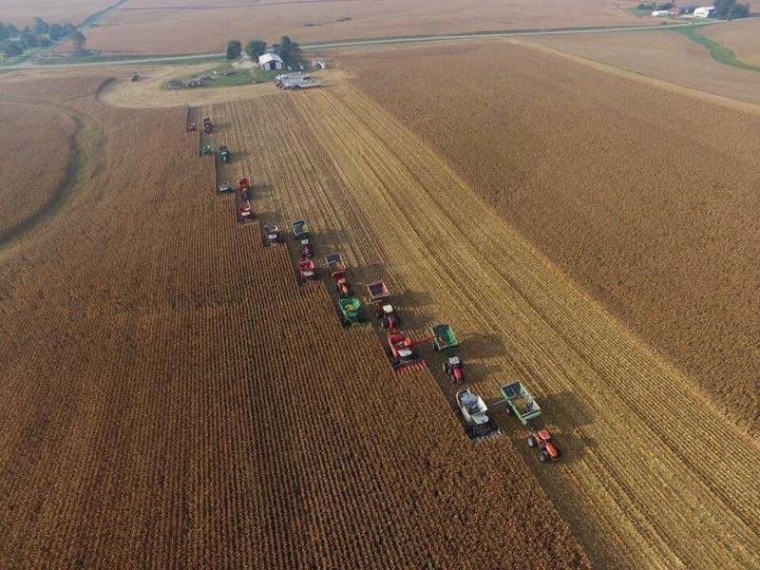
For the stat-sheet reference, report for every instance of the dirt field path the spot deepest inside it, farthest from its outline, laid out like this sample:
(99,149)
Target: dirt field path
(653,477)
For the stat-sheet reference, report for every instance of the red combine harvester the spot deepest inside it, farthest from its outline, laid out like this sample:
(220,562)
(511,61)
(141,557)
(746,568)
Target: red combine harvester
(401,350)
(208,126)
(191,128)
(542,441)
(245,212)
(245,189)
(307,270)
(338,272)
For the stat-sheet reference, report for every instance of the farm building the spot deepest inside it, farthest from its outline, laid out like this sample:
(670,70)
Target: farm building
(271,62)
(704,11)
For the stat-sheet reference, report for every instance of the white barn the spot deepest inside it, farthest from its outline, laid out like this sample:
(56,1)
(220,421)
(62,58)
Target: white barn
(703,12)
(271,62)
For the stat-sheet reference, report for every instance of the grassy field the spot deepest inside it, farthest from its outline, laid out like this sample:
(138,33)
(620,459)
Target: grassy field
(742,37)
(23,12)
(719,52)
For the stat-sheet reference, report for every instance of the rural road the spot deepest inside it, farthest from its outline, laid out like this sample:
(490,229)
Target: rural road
(368,42)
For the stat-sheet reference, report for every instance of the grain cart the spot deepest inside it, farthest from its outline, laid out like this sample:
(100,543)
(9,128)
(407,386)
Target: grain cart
(300,230)
(444,340)
(338,272)
(520,402)
(351,312)
(225,154)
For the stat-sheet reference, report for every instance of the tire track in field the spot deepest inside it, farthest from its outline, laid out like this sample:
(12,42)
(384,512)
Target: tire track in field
(660,480)
(666,469)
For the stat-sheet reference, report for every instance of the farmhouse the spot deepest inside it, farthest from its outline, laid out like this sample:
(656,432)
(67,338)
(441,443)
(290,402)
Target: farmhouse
(704,11)
(270,62)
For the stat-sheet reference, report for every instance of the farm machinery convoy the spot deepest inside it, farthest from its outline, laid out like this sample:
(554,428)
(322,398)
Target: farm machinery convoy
(401,348)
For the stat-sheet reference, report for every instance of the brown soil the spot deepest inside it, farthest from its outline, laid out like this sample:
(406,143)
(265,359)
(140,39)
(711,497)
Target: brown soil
(646,198)
(179,26)
(172,398)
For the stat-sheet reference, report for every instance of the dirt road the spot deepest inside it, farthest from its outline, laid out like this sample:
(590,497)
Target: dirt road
(654,477)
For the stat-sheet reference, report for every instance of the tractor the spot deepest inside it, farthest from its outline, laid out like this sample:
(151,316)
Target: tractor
(225,154)
(207,150)
(306,250)
(338,272)
(387,316)
(453,367)
(542,441)
(245,212)
(191,128)
(208,126)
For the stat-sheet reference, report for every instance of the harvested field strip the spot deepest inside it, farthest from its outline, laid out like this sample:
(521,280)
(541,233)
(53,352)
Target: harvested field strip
(648,456)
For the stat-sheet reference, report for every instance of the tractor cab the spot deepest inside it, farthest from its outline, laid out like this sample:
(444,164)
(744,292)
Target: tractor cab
(454,369)
(543,442)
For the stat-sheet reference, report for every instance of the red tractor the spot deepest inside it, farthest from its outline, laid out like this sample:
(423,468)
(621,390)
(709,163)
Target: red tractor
(338,271)
(245,212)
(387,316)
(306,250)
(542,441)
(453,367)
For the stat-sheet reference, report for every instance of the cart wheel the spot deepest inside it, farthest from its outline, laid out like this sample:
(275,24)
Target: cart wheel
(531,441)
(544,457)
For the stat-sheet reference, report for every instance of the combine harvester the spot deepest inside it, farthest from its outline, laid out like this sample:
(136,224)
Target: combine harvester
(522,405)
(479,425)
(273,235)
(385,313)
(244,187)
(401,351)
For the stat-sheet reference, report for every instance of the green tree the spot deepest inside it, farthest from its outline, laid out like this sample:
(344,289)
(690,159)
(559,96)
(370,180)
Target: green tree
(11,49)
(234,49)
(5,33)
(289,51)
(729,9)
(256,48)
(78,39)
(56,32)
(40,26)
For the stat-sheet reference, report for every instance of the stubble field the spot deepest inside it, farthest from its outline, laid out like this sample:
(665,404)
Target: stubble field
(647,199)
(172,398)
(23,12)
(628,421)
(742,37)
(173,26)
(666,56)
(37,144)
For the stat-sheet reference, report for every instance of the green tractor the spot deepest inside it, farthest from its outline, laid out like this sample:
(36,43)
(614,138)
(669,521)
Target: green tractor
(225,154)
(207,150)
(351,311)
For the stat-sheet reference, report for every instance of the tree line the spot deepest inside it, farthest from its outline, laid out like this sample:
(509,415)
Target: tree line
(287,49)
(15,41)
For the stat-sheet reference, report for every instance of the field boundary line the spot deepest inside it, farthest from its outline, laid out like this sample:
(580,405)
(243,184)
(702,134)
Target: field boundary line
(720,100)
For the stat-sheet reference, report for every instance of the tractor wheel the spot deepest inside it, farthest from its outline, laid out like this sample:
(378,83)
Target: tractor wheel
(532,441)
(346,323)
(509,410)
(544,457)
